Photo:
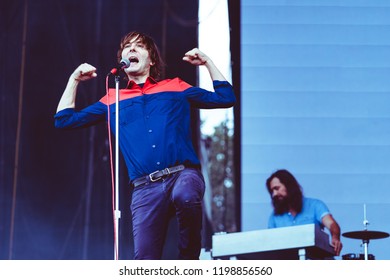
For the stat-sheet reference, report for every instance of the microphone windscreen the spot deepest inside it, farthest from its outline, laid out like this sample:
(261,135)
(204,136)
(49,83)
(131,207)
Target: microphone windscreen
(125,63)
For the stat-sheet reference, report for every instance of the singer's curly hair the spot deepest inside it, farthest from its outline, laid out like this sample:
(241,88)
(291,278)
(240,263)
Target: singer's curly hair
(157,67)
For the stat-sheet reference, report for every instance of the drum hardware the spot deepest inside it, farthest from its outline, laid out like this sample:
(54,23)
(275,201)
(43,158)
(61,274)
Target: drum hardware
(365,235)
(352,256)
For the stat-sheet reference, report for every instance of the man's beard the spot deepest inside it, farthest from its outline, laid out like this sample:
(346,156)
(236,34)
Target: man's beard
(281,204)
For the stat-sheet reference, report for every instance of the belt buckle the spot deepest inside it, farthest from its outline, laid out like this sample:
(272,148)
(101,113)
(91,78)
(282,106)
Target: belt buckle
(151,176)
(166,171)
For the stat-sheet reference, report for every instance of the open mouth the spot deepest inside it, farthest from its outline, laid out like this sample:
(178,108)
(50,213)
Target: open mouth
(133,59)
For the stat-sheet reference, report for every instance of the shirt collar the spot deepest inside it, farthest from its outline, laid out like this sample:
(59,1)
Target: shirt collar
(131,84)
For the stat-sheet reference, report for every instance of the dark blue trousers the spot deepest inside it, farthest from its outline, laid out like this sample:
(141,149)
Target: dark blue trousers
(154,204)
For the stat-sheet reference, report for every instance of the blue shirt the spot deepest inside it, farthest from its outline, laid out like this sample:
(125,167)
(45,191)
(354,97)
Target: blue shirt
(154,121)
(313,210)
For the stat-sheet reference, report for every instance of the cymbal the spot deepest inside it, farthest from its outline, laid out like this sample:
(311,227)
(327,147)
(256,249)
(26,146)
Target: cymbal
(366,234)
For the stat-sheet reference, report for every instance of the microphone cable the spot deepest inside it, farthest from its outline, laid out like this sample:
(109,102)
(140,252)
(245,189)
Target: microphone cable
(111,168)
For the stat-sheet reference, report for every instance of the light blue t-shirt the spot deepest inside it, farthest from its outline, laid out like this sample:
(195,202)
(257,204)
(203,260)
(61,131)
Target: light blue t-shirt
(313,210)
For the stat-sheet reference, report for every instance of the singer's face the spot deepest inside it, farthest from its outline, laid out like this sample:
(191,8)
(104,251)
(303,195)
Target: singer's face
(135,51)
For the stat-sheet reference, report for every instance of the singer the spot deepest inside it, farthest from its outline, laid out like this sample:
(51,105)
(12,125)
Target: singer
(154,139)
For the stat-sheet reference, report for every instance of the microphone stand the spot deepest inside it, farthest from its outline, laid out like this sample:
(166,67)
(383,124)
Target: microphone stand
(124,63)
(117,212)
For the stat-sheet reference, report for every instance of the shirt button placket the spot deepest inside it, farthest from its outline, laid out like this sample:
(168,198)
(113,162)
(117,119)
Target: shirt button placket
(154,146)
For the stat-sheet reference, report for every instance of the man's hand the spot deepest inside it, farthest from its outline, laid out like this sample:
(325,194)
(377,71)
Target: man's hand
(330,223)
(337,245)
(196,57)
(84,72)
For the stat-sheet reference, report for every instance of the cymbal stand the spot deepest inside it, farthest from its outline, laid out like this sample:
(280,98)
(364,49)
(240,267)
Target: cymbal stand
(366,235)
(365,224)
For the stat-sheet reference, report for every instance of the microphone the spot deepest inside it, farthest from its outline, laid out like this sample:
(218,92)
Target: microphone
(123,64)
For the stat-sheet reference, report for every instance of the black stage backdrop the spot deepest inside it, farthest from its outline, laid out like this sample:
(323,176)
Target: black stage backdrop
(55,186)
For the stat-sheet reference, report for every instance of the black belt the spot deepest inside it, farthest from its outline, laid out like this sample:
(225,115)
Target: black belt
(157,175)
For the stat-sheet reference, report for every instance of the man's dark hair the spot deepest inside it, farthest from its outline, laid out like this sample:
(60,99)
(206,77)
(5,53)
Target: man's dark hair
(157,67)
(294,190)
